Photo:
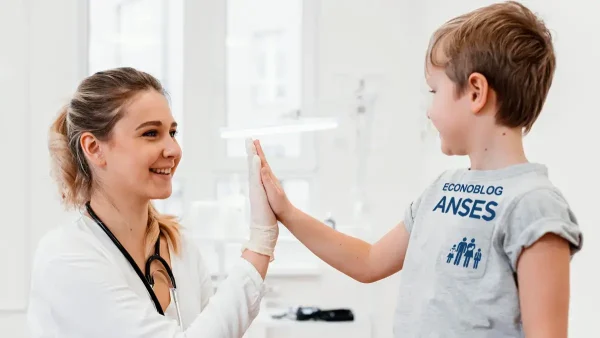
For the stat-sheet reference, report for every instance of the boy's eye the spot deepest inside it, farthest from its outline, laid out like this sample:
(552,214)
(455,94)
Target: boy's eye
(173,133)
(432,91)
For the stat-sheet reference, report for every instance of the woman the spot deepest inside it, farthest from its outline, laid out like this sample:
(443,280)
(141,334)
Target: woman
(113,148)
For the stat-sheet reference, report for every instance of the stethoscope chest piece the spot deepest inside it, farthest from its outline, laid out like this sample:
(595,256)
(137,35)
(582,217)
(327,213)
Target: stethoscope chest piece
(145,277)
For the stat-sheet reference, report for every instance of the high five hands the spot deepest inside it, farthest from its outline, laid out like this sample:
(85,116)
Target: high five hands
(268,202)
(277,199)
(263,223)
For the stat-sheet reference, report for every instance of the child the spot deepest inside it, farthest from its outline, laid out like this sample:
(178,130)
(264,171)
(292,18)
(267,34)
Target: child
(512,231)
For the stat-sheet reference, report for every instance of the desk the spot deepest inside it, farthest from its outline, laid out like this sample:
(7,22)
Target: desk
(266,327)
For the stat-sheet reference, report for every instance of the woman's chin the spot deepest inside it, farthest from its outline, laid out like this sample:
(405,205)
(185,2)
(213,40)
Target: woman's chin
(160,195)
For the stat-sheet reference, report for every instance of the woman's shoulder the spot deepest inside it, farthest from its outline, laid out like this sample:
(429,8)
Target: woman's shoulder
(188,246)
(72,238)
(190,249)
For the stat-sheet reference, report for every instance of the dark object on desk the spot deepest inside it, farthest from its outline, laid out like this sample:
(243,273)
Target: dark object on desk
(334,315)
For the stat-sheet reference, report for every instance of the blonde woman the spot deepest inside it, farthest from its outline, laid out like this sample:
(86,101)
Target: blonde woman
(123,269)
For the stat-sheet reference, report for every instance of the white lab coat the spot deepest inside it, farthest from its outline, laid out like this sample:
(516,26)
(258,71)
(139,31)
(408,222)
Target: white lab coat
(82,286)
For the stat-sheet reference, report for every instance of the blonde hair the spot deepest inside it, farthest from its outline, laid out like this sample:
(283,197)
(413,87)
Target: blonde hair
(507,44)
(97,105)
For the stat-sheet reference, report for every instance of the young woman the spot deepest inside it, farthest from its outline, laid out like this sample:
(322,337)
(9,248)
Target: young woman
(123,269)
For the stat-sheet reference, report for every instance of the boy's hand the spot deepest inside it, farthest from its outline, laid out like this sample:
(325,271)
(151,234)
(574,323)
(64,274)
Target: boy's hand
(276,195)
(264,229)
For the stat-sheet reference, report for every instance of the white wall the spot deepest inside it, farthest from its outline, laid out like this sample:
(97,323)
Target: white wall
(359,37)
(565,137)
(14,108)
(40,70)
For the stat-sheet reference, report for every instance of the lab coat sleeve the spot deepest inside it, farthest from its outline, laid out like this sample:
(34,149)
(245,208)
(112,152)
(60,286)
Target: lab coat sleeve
(206,284)
(224,313)
(88,299)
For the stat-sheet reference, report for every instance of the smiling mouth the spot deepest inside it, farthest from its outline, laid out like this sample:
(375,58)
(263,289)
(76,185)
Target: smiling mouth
(165,171)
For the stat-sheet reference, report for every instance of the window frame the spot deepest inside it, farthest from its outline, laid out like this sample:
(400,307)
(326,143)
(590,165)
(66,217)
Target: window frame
(306,162)
(205,108)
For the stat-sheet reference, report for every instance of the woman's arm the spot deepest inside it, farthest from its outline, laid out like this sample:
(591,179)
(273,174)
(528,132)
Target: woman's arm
(543,275)
(88,299)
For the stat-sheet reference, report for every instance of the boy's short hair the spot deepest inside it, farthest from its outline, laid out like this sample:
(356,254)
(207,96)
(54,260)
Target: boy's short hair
(507,44)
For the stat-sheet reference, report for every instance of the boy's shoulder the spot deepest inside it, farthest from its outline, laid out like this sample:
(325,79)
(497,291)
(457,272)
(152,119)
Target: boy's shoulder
(519,191)
(512,181)
(520,200)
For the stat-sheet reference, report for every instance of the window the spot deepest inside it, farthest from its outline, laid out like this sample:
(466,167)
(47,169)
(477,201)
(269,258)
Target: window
(234,64)
(264,64)
(265,44)
(146,35)
(266,48)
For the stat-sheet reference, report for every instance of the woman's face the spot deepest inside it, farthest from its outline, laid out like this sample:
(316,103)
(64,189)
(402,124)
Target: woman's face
(142,153)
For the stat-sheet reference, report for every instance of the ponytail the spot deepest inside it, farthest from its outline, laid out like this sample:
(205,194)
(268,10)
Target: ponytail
(161,225)
(74,185)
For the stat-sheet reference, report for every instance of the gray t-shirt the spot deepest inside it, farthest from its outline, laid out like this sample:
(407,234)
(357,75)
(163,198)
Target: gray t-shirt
(467,231)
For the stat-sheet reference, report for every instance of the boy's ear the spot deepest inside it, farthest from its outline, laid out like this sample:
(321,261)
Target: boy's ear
(478,90)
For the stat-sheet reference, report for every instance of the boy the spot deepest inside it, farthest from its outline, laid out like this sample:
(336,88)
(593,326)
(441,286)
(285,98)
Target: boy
(500,234)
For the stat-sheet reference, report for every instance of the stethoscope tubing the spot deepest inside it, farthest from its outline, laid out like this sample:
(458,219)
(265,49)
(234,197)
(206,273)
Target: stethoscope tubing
(145,278)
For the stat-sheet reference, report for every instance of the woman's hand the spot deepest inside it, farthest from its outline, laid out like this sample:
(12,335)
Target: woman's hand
(277,198)
(264,229)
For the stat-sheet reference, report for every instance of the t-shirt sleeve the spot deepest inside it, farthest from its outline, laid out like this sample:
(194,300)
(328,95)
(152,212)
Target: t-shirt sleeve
(411,213)
(535,214)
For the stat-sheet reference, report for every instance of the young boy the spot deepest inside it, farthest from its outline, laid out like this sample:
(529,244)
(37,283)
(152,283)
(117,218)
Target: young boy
(484,251)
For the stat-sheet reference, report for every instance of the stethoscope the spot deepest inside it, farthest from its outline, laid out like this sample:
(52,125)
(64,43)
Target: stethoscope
(146,278)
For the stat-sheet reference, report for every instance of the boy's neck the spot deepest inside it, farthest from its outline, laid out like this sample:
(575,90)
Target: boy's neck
(126,218)
(497,148)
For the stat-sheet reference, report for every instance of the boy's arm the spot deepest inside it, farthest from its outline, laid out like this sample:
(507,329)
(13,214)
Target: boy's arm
(543,275)
(356,258)
(540,237)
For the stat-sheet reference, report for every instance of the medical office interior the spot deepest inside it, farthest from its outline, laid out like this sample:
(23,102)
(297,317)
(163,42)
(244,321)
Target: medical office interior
(335,91)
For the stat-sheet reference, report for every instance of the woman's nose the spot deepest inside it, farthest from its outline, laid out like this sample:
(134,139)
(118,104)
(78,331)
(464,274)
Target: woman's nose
(172,149)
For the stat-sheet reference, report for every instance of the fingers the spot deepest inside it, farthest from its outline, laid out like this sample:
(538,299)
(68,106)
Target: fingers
(269,182)
(260,153)
(254,149)
(250,147)
(256,182)
(270,188)
(255,169)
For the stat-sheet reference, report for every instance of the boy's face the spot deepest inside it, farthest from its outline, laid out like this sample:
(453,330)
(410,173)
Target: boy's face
(452,115)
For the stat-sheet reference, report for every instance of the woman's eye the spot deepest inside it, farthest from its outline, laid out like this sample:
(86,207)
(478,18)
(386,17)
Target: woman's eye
(432,91)
(173,133)
(151,133)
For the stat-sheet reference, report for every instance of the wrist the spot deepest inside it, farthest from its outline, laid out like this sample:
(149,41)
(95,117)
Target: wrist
(263,239)
(287,214)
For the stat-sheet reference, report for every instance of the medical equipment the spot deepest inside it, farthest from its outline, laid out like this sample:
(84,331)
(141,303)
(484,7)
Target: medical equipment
(146,278)
(304,313)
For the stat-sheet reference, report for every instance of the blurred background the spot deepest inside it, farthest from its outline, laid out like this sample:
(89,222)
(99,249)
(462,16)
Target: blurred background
(335,91)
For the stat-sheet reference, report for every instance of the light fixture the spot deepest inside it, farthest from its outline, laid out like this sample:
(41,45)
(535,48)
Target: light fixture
(300,125)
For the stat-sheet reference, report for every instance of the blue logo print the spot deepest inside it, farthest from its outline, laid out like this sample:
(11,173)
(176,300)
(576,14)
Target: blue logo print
(464,250)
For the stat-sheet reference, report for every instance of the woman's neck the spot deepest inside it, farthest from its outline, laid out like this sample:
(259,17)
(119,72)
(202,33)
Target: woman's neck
(126,218)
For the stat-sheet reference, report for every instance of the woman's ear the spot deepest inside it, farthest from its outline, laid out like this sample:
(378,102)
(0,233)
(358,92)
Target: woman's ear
(92,149)
(477,89)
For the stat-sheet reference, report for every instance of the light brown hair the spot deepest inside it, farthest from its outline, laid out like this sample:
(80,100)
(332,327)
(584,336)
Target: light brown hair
(97,105)
(511,47)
